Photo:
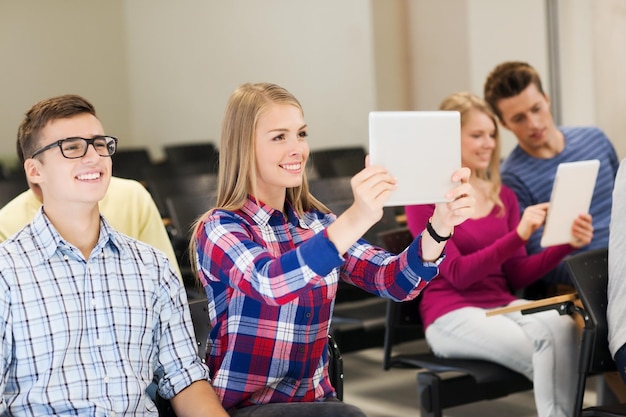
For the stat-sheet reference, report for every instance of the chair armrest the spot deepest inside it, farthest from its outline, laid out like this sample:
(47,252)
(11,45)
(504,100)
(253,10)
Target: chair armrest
(559,303)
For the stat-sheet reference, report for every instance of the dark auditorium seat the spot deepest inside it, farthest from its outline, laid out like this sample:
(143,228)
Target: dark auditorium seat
(338,162)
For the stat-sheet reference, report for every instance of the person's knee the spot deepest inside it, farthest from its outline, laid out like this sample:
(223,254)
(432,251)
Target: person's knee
(348,410)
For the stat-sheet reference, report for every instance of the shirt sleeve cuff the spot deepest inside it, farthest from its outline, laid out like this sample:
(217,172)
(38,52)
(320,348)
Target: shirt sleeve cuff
(414,257)
(172,385)
(320,254)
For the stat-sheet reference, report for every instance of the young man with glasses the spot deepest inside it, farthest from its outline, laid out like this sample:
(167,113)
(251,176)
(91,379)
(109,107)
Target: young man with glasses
(88,316)
(127,206)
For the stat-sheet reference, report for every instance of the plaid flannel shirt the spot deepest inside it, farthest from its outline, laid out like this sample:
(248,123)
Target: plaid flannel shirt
(271,284)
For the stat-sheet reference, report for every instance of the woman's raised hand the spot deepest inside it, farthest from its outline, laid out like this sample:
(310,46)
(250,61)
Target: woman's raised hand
(371,188)
(460,206)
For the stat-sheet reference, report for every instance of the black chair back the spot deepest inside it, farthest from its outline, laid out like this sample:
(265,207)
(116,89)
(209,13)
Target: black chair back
(337,162)
(328,190)
(169,170)
(162,188)
(131,163)
(184,210)
(589,273)
(198,308)
(11,188)
(335,367)
(203,154)
(395,240)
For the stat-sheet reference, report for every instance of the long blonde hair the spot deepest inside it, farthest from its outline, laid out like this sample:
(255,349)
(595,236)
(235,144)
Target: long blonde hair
(237,165)
(463,103)
(236,178)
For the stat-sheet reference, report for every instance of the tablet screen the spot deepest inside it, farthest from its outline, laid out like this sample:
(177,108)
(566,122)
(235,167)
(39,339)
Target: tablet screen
(571,195)
(421,148)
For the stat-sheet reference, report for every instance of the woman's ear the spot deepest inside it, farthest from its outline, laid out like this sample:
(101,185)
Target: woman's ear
(32,168)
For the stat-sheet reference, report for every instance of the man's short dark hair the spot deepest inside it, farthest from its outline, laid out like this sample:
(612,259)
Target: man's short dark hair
(41,113)
(508,80)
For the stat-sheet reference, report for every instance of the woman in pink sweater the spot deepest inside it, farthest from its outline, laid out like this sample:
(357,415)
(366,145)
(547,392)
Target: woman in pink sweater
(485,260)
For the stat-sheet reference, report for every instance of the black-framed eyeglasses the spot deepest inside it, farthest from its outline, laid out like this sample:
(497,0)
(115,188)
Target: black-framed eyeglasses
(74,148)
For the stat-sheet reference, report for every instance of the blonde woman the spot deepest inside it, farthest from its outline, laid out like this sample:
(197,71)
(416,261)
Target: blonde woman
(485,259)
(270,257)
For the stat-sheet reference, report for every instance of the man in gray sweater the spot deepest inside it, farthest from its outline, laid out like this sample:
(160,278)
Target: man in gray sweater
(616,309)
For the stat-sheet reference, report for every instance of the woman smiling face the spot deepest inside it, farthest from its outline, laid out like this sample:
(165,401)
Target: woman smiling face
(478,140)
(281,151)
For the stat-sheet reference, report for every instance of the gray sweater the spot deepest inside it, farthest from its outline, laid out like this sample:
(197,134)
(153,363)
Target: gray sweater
(616,310)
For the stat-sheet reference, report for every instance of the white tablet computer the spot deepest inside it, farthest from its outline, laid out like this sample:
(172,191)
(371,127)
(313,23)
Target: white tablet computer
(571,195)
(421,148)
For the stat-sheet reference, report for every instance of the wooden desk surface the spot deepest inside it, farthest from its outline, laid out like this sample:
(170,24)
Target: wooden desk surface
(533,304)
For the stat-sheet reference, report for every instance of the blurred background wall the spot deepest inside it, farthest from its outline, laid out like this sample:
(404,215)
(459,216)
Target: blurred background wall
(160,72)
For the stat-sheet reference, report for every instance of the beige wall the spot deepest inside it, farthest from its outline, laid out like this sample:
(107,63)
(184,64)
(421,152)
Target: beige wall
(49,48)
(609,69)
(186,57)
(455,43)
(593,64)
(161,71)
(392,65)
(577,86)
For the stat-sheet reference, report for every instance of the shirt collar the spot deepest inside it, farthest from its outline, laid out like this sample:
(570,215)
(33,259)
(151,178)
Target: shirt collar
(48,239)
(261,213)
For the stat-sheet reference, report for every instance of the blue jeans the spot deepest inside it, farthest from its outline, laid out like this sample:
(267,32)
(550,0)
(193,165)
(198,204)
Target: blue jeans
(620,361)
(332,407)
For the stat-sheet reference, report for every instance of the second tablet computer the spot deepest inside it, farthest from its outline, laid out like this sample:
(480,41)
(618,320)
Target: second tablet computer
(571,195)
(421,148)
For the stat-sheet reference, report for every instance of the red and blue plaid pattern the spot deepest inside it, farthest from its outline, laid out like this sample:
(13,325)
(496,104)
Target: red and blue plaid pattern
(271,284)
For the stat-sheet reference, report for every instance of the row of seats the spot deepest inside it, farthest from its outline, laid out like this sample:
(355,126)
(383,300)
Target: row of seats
(192,159)
(180,159)
(191,169)
(203,157)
